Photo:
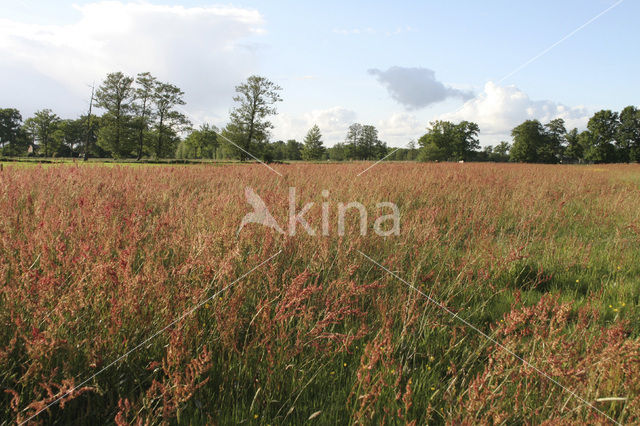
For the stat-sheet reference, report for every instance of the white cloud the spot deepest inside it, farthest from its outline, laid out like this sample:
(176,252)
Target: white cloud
(203,50)
(333,123)
(400,128)
(498,109)
(417,87)
(397,130)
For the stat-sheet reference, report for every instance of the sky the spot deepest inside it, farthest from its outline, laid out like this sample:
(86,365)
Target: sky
(396,65)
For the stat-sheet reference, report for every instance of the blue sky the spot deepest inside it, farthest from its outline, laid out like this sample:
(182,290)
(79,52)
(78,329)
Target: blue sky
(397,65)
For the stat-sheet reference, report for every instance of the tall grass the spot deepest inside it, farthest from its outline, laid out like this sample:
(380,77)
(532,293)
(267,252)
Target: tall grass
(96,259)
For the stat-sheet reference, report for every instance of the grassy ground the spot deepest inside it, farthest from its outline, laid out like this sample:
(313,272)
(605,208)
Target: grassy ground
(543,259)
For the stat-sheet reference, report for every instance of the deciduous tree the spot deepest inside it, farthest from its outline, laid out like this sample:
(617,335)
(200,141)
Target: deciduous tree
(43,126)
(446,141)
(249,124)
(144,95)
(12,139)
(603,129)
(628,136)
(170,121)
(115,96)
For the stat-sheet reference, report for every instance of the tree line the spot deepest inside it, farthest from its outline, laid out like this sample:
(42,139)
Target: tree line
(610,137)
(141,118)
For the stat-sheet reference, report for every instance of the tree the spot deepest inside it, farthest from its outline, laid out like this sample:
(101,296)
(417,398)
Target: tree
(370,146)
(362,143)
(446,141)
(574,151)
(501,152)
(601,139)
(279,150)
(115,96)
(557,134)
(352,142)
(11,131)
(367,142)
(169,121)
(201,143)
(249,125)
(533,144)
(232,137)
(294,150)
(486,154)
(144,95)
(313,147)
(628,136)
(466,140)
(71,135)
(92,125)
(412,151)
(43,126)
(337,152)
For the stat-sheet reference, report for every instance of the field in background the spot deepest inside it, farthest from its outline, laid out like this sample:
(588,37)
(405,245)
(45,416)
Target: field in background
(545,259)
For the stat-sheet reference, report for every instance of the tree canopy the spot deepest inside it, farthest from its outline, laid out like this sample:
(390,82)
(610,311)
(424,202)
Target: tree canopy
(141,117)
(313,146)
(447,141)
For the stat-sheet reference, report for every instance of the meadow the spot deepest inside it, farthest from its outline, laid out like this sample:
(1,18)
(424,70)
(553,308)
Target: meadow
(129,297)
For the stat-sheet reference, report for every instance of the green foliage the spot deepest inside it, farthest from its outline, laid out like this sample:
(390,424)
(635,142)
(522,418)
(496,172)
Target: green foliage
(249,126)
(142,118)
(628,136)
(601,138)
(574,150)
(610,137)
(43,129)
(12,136)
(313,148)
(232,139)
(337,152)
(115,96)
(497,154)
(71,135)
(201,143)
(446,141)
(170,121)
(142,106)
(362,143)
(294,150)
(535,143)
(410,153)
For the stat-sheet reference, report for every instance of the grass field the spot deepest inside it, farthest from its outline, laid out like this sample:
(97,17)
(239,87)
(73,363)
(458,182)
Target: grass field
(98,262)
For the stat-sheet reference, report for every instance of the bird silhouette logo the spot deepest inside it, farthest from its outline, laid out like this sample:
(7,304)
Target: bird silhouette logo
(260,213)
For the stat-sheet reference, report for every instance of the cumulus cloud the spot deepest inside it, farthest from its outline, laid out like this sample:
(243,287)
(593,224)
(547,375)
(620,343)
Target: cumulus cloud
(204,50)
(498,109)
(397,130)
(400,128)
(416,88)
(333,123)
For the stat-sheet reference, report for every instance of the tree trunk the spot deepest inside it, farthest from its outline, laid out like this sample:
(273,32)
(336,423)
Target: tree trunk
(243,155)
(117,147)
(159,145)
(142,126)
